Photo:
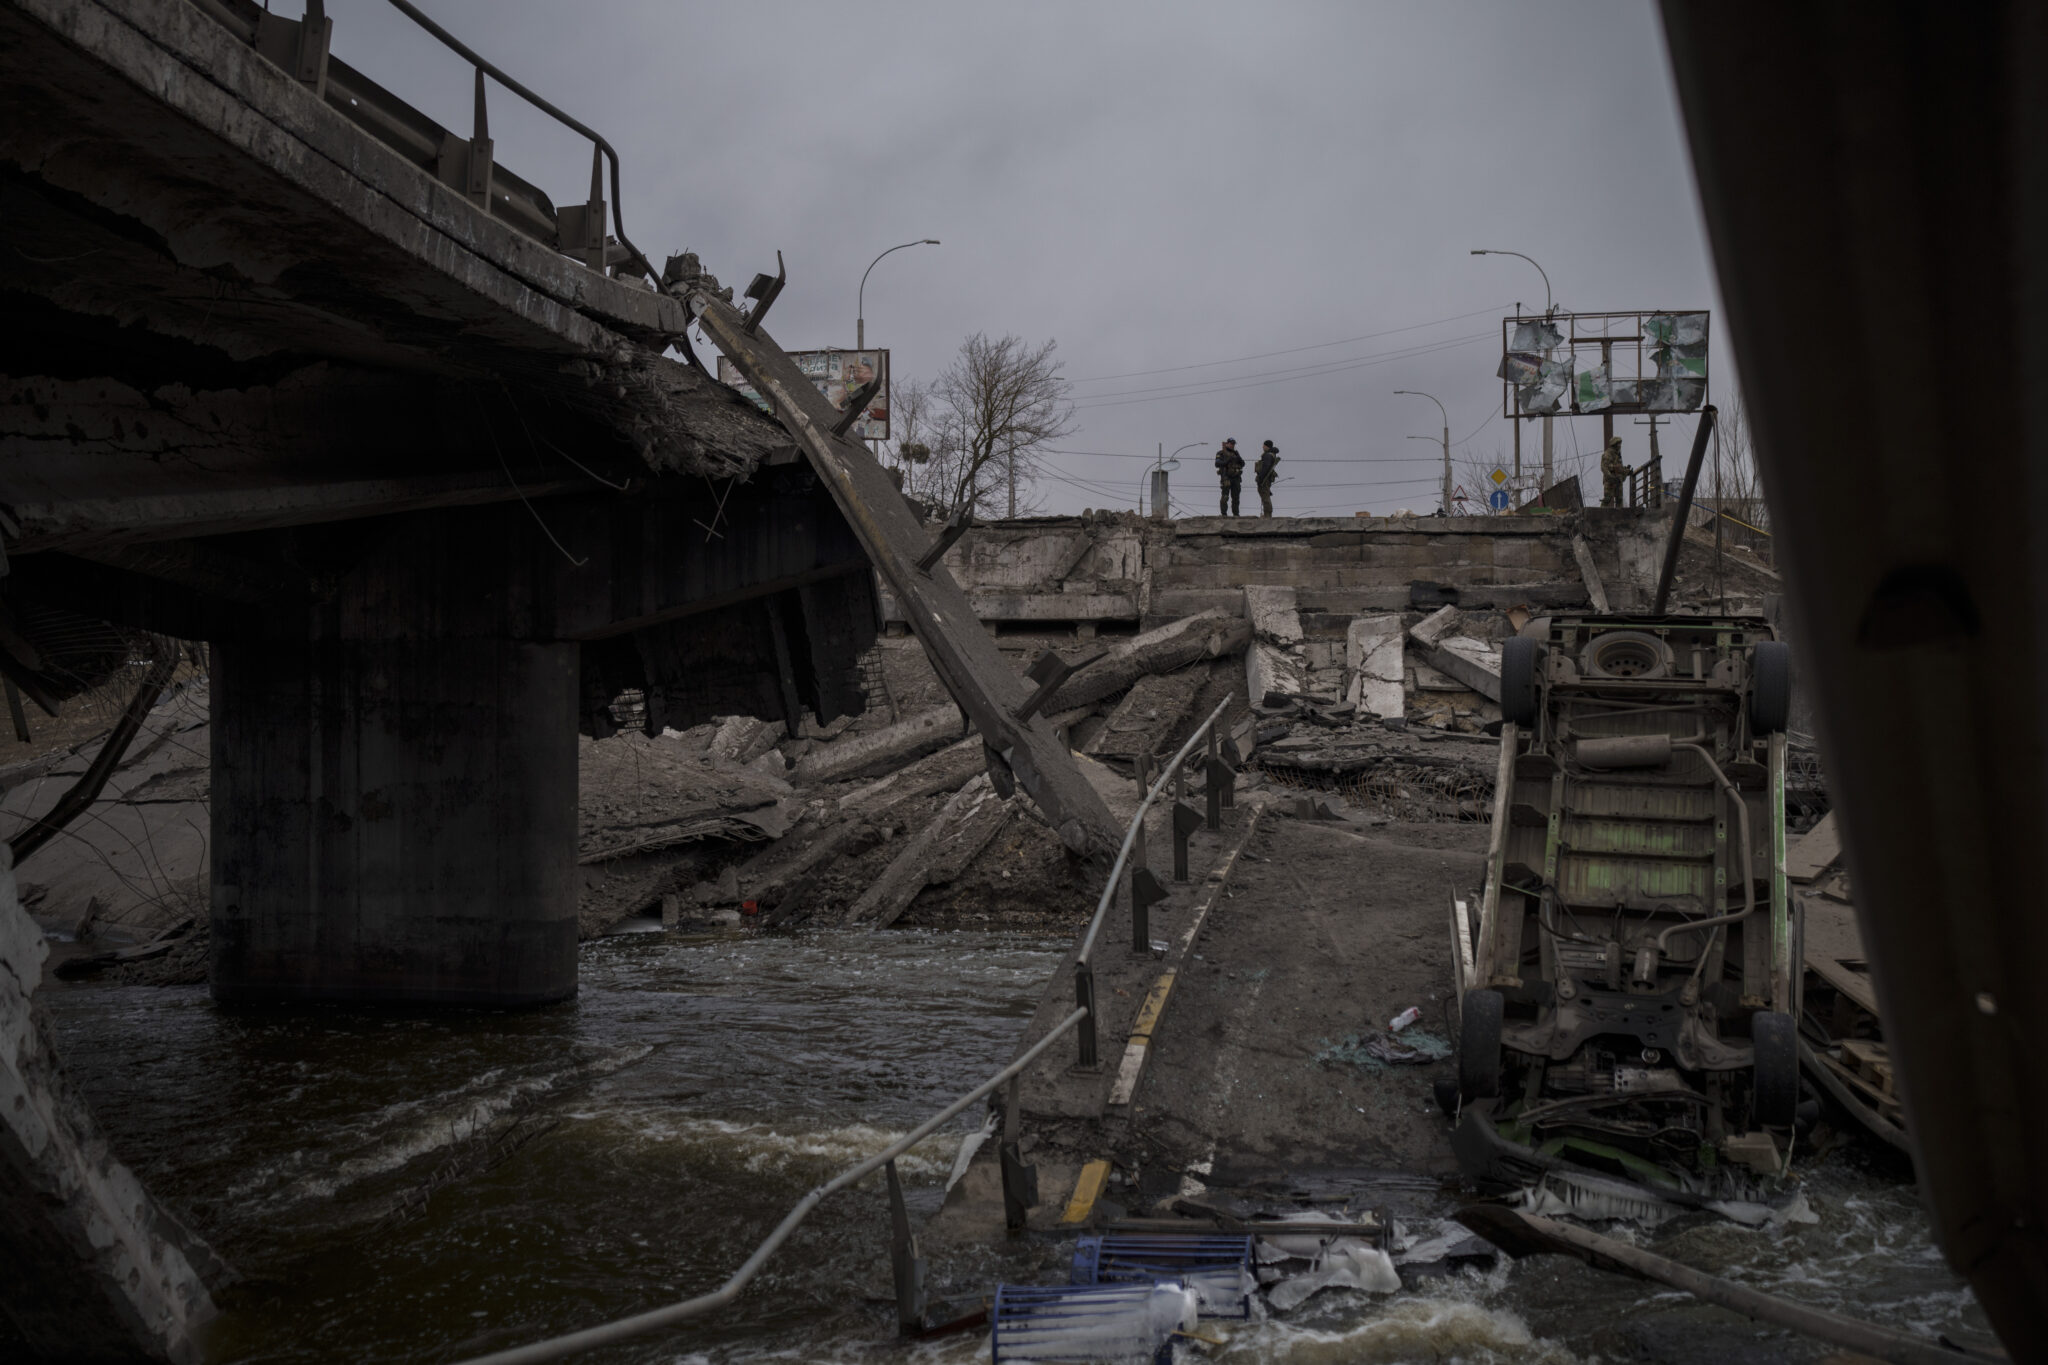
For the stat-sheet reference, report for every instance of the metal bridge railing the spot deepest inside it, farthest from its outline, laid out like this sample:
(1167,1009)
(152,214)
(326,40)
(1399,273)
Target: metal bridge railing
(590,1338)
(1084,974)
(909,1269)
(467,165)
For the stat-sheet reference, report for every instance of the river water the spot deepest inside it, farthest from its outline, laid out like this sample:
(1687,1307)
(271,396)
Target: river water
(407,1188)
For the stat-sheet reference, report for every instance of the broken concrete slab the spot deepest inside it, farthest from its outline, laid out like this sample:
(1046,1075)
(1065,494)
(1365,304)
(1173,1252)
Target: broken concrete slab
(1440,623)
(936,854)
(1815,851)
(638,795)
(742,739)
(98,1271)
(1273,661)
(1148,714)
(1375,659)
(1273,614)
(1596,591)
(853,756)
(1205,635)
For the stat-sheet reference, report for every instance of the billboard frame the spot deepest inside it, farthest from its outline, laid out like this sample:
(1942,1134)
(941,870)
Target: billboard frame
(828,378)
(1624,332)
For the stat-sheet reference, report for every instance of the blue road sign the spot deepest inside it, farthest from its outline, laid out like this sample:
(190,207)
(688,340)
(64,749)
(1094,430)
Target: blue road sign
(1498,499)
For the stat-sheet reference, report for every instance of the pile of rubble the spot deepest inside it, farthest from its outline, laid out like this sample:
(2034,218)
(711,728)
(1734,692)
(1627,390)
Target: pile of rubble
(887,818)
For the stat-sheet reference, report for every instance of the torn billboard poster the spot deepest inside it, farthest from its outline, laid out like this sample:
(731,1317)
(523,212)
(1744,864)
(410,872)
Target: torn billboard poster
(837,374)
(1519,367)
(1546,394)
(1535,334)
(1593,395)
(1676,329)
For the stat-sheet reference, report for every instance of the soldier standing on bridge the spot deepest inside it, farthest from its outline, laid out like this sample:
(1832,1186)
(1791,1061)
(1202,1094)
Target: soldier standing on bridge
(1612,472)
(1230,473)
(1263,474)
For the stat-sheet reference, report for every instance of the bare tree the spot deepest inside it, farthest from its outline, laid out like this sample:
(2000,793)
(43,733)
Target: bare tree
(920,459)
(998,406)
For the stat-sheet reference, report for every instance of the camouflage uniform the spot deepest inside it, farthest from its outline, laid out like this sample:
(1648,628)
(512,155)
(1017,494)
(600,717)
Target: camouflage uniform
(1230,473)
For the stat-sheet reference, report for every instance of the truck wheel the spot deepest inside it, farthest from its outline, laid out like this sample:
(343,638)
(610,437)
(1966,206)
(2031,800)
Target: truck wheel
(1776,1040)
(1519,659)
(1479,1044)
(1770,687)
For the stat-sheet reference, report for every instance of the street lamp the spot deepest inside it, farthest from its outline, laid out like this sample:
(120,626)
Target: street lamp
(1447,441)
(860,325)
(1549,308)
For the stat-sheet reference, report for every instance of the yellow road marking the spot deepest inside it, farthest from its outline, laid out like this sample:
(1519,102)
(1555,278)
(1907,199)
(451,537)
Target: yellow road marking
(1087,1190)
(1148,1013)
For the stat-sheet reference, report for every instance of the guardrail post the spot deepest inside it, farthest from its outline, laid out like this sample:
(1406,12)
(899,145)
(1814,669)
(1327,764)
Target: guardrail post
(1223,782)
(1020,1182)
(909,1267)
(1084,998)
(1185,822)
(1211,792)
(1146,892)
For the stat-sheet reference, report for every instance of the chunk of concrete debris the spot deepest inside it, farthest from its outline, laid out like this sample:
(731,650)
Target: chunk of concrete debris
(1444,621)
(878,750)
(1472,662)
(725,890)
(1376,661)
(936,854)
(1150,712)
(1273,614)
(1206,635)
(130,1279)
(1272,664)
(742,739)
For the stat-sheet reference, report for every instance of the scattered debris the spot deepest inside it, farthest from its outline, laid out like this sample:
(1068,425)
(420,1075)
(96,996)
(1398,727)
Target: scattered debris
(1376,1051)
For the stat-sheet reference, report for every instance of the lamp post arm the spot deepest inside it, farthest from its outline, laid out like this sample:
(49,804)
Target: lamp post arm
(861,299)
(1548,306)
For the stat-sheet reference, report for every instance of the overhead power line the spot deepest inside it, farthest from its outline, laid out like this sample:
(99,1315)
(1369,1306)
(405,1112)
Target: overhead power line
(1335,368)
(1293,350)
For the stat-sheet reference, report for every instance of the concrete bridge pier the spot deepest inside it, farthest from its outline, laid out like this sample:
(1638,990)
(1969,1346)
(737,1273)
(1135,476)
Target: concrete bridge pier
(394,820)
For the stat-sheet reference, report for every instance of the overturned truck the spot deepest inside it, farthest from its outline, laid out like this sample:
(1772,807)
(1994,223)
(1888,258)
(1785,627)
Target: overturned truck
(1627,980)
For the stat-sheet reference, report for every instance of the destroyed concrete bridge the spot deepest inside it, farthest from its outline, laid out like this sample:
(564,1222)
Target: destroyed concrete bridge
(305,376)
(296,372)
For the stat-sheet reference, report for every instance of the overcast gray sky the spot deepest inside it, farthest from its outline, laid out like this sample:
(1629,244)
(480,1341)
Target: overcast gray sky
(1170,188)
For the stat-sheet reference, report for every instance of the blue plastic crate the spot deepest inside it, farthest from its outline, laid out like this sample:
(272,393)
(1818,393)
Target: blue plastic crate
(1216,1266)
(1113,1322)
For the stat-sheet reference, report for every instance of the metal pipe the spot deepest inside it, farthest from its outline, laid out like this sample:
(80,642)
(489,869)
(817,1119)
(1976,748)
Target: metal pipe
(1692,477)
(590,1338)
(1748,856)
(462,49)
(1116,870)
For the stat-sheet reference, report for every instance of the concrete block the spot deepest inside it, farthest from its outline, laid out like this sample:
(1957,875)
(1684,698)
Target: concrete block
(1444,621)
(1270,670)
(742,739)
(111,1276)
(1272,612)
(1472,662)
(1373,653)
